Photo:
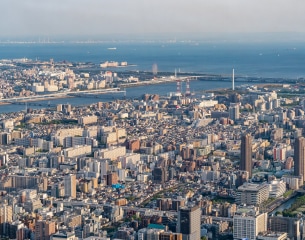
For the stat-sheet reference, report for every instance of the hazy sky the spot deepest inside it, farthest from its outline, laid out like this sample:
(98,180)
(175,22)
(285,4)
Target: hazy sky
(138,17)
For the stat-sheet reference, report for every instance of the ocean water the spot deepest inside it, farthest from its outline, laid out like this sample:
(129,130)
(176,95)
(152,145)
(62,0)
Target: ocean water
(282,60)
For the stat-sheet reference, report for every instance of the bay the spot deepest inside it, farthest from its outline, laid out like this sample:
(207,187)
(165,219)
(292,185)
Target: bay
(283,60)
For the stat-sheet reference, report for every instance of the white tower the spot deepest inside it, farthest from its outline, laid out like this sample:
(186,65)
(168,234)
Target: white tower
(233,80)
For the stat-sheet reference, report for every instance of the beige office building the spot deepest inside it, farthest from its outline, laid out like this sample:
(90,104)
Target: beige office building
(70,185)
(77,150)
(252,194)
(111,153)
(248,223)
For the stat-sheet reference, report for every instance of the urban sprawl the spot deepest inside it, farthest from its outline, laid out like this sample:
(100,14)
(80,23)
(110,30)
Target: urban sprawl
(223,164)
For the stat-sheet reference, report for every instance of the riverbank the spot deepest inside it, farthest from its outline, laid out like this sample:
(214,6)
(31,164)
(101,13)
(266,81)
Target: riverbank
(282,204)
(49,97)
(132,92)
(30,100)
(4,103)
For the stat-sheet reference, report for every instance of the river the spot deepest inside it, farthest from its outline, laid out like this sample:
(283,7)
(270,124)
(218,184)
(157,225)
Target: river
(132,92)
(285,205)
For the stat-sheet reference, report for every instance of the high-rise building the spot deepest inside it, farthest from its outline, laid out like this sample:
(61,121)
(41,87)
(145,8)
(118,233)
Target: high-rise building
(6,214)
(104,166)
(112,178)
(299,157)
(70,185)
(44,230)
(13,228)
(285,224)
(188,224)
(5,138)
(159,175)
(22,233)
(246,154)
(248,223)
(234,111)
(177,203)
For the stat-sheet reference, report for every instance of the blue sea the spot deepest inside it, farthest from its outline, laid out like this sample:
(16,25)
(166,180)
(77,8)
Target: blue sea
(283,60)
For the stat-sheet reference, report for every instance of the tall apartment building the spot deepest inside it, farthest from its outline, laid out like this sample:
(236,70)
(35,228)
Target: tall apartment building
(252,194)
(44,230)
(70,185)
(59,136)
(6,214)
(87,120)
(130,160)
(246,154)
(285,224)
(188,223)
(77,150)
(112,135)
(5,138)
(293,182)
(159,175)
(19,182)
(11,229)
(112,178)
(234,111)
(299,157)
(111,153)
(248,223)
(22,233)
(104,167)
(75,141)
